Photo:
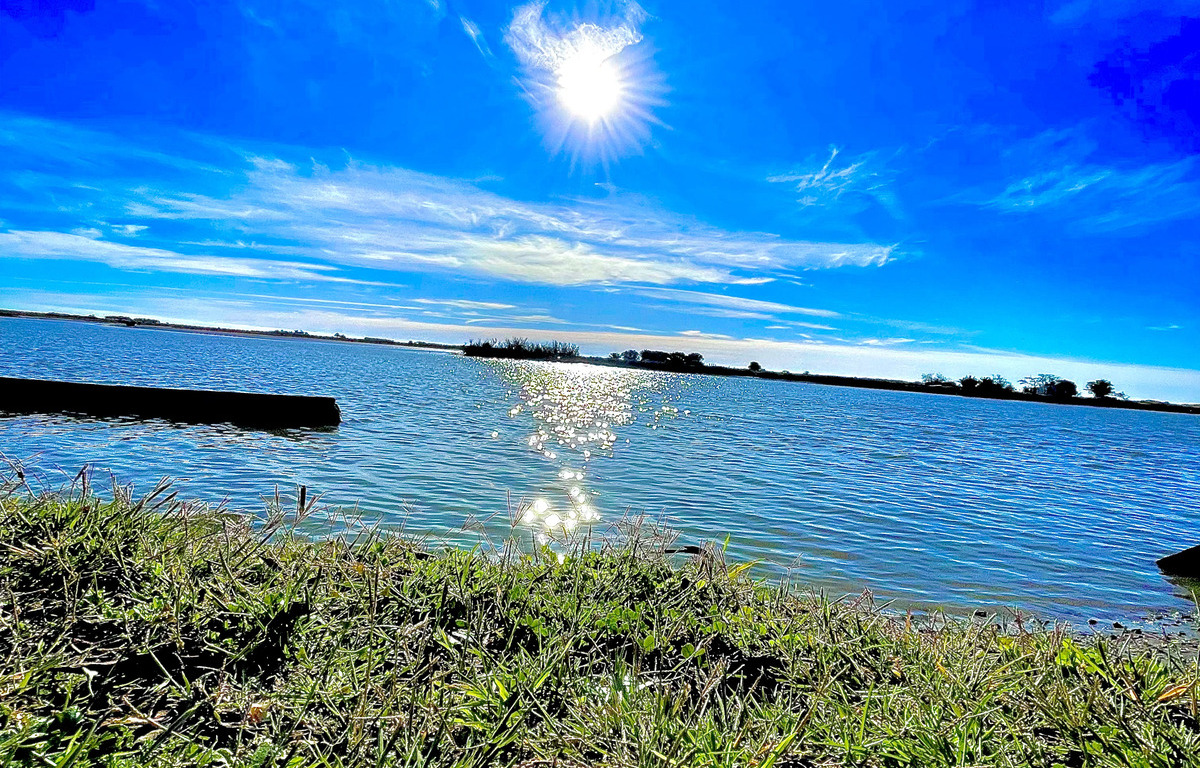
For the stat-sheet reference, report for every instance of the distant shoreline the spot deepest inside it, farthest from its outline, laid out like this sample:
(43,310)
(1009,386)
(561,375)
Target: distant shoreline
(146,322)
(939,388)
(900,385)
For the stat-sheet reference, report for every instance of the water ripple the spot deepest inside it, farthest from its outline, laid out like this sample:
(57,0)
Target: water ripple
(932,501)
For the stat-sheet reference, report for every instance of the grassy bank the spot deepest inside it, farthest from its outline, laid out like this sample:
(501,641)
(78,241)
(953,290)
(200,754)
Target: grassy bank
(137,632)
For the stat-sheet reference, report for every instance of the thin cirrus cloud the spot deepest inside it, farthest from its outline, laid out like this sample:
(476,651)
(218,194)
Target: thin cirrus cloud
(1113,198)
(829,181)
(465,303)
(733,303)
(849,185)
(390,219)
(472,31)
(135,258)
(539,45)
(1098,198)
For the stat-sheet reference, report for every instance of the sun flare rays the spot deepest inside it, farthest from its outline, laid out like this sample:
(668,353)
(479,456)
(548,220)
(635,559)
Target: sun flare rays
(592,82)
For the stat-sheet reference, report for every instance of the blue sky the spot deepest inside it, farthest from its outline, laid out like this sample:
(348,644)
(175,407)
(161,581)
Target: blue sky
(877,189)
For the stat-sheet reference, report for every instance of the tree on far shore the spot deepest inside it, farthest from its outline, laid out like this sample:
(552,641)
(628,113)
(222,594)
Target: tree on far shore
(1049,385)
(988,386)
(1064,389)
(994,385)
(754,366)
(1100,388)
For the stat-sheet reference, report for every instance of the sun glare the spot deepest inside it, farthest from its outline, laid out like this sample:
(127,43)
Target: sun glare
(589,84)
(592,81)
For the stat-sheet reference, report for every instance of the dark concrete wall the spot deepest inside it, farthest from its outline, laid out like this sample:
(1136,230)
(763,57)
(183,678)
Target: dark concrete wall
(248,409)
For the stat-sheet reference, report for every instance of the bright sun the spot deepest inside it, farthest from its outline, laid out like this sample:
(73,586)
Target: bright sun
(589,84)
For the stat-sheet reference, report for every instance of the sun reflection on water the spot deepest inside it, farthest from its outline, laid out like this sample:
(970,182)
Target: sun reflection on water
(576,411)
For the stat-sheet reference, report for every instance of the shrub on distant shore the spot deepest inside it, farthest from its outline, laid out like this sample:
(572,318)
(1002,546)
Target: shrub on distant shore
(673,360)
(1100,388)
(989,386)
(148,632)
(520,349)
(1049,385)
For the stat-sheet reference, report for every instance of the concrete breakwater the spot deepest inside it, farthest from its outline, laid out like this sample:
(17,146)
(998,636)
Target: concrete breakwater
(248,409)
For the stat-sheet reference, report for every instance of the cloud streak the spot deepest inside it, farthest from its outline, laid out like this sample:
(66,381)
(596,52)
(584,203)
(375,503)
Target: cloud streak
(76,247)
(465,303)
(830,181)
(541,46)
(735,303)
(389,219)
(1096,198)
(472,30)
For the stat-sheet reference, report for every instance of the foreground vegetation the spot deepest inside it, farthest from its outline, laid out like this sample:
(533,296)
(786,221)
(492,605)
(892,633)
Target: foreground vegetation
(147,633)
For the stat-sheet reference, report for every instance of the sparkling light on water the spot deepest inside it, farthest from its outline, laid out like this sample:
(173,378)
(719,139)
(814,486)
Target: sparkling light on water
(576,411)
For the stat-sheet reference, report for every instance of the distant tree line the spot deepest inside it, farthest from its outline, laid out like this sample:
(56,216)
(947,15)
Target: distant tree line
(520,349)
(1045,385)
(129,321)
(1042,385)
(680,361)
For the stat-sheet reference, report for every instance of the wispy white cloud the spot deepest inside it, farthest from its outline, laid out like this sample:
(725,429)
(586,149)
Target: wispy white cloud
(811,326)
(394,219)
(256,215)
(913,325)
(830,180)
(1169,327)
(736,303)
(129,230)
(76,247)
(541,45)
(1095,197)
(472,30)
(541,319)
(276,299)
(465,303)
(850,185)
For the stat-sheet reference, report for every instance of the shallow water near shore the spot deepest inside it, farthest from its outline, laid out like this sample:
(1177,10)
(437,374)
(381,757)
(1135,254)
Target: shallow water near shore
(930,500)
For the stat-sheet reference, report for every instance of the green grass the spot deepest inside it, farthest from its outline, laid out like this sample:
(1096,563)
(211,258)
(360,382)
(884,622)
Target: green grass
(142,633)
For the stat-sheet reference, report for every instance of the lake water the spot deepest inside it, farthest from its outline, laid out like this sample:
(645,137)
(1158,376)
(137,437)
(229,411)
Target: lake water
(930,500)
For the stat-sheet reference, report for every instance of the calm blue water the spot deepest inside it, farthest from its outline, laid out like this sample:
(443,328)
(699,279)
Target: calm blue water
(933,501)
